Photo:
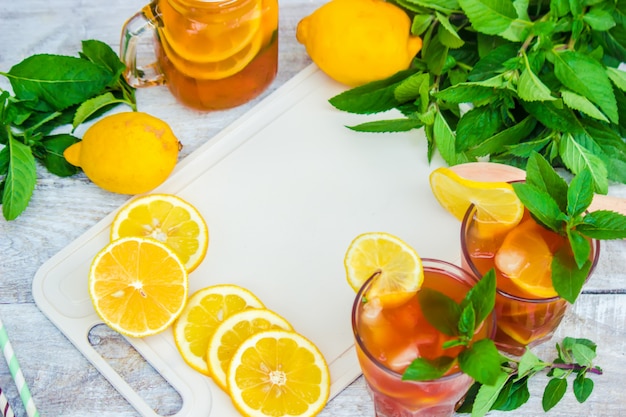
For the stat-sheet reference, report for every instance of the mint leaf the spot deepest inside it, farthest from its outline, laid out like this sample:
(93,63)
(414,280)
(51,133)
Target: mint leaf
(583,387)
(20,181)
(422,369)
(90,107)
(50,153)
(583,355)
(389,125)
(540,174)
(567,278)
(440,310)
(580,247)
(467,321)
(487,395)
(530,87)
(482,296)
(445,139)
(482,362)
(577,157)
(513,396)
(530,364)
(371,98)
(580,193)
(582,104)
(574,69)
(554,392)
(603,224)
(540,204)
(60,81)
(491,17)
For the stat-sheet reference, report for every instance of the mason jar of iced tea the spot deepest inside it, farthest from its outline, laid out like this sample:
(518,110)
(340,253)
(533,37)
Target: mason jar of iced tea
(212,54)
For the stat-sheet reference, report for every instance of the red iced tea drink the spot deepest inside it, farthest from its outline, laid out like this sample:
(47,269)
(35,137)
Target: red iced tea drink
(528,309)
(389,338)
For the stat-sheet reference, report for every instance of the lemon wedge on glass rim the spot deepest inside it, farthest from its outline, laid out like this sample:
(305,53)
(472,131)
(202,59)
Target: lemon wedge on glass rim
(495,202)
(395,264)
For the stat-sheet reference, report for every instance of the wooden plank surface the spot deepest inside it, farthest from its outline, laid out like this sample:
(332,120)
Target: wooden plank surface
(61,380)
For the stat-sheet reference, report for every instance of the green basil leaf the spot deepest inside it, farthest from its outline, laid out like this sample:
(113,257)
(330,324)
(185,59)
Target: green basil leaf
(482,362)
(567,278)
(603,224)
(422,369)
(583,387)
(60,81)
(440,310)
(553,393)
(20,181)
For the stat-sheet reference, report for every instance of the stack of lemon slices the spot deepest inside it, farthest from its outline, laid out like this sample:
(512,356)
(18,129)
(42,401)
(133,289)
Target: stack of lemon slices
(252,353)
(220,49)
(138,284)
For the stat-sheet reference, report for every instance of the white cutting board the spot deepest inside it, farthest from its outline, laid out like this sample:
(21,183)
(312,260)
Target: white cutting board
(284,191)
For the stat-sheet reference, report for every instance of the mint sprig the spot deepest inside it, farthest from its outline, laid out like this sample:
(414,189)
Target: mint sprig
(562,208)
(52,92)
(481,359)
(524,68)
(574,361)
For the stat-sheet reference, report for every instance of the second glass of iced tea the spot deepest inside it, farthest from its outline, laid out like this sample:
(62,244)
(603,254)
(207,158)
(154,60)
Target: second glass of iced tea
(528,309)
(388,339)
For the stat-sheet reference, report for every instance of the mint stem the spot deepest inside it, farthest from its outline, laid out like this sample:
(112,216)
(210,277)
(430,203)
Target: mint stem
(576,367)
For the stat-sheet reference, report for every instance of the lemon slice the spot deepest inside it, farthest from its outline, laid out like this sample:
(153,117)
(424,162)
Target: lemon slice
(210,35)
(205,310)
(397,266)
(214,70)
(526,259)
(138,286)
(278,373)
(495,202)
(232,332)
(166,218)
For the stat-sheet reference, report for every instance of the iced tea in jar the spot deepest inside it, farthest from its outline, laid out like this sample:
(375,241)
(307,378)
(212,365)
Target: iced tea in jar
(212,54)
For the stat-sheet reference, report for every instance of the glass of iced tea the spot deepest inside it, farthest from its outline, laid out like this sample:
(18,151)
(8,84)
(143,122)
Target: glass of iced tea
(212,54)
(528,309)
(389,338)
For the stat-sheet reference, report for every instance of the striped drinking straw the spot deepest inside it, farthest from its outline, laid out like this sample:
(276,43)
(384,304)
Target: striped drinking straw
(16,373)
(5,407)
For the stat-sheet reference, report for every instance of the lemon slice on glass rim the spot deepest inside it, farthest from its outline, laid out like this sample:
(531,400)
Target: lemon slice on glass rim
(396,266)
(495,202)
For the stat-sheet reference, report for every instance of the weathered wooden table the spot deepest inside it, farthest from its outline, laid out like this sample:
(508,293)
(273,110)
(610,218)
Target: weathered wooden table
(62,381)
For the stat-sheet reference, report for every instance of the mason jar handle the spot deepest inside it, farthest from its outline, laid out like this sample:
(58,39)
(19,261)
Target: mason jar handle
(135,51)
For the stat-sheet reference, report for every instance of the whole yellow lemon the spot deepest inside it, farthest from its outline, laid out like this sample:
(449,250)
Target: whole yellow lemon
(126,153)
(359,41)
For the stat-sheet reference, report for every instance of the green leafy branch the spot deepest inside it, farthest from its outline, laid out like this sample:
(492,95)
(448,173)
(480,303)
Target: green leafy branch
(501,80)
(479,359)
(574,360)
(562,208)
(52,92)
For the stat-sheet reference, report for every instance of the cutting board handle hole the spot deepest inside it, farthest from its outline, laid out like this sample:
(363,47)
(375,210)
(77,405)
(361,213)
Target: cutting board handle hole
(135,370)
